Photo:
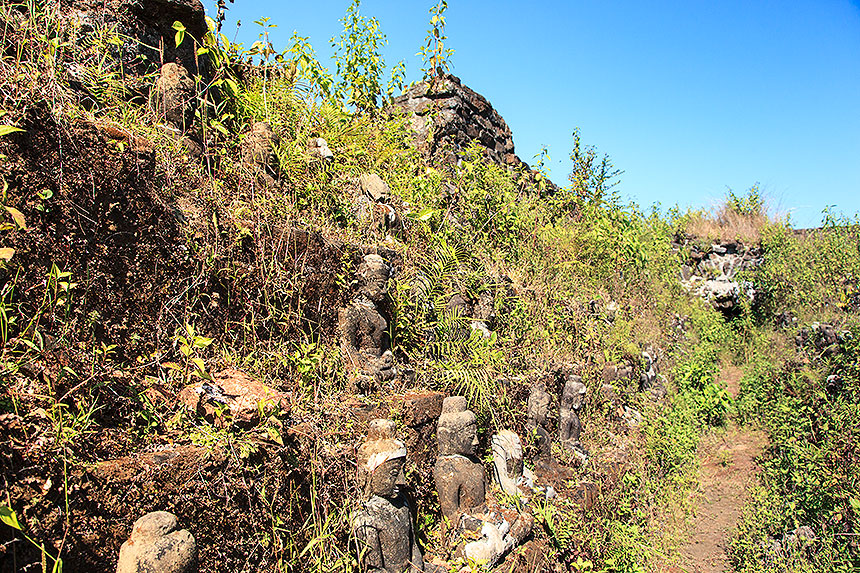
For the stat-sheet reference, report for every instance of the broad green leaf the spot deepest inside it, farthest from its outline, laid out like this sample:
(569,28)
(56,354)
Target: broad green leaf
(6,253)
(275,435)
(180,32)
(425,214)
(7,129)
(234,87)
(18,217)
(7,516)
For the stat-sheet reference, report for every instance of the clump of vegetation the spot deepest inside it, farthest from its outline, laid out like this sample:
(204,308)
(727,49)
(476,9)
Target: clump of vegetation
(740,217)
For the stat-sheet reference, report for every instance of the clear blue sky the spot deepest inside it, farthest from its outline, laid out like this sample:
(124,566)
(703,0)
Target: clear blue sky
(688,97)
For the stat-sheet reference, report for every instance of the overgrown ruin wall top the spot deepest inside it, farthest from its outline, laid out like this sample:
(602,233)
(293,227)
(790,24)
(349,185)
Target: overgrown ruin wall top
(461,116)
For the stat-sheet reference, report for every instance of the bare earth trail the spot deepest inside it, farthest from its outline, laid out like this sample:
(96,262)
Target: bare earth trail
(728,468)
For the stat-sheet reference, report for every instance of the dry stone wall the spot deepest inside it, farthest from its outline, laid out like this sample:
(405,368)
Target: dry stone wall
(448,116)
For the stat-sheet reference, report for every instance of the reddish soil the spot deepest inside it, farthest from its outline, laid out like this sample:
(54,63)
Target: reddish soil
(728,468)
(731,377)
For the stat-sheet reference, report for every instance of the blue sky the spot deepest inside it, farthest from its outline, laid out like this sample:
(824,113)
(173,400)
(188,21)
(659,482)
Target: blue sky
(689,97)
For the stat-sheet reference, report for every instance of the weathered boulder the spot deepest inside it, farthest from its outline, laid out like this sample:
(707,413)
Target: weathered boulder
(234,393)
(155,545)
(374,187)
(173,96)
(258,146)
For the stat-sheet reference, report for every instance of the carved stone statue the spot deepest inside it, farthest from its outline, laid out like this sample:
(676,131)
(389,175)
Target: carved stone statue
(156,545)
(507,461)
(459,475)
(383,527)
(363,328)
(537,414)
(572,397)
(649,371)
(461,484)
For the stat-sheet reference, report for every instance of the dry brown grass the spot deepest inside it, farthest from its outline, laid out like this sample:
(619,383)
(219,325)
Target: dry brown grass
(725,223)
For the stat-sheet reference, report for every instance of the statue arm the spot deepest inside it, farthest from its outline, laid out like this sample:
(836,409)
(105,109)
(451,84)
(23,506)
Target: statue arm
(449,497)
(369,546)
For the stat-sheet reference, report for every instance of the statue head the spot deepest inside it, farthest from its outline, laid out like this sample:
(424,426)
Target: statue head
(457,431)
(574,393)
(538,405)
(380,459)
(373,274)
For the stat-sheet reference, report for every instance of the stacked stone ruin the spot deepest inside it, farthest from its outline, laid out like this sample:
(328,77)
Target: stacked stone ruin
(447,117)
(712,273)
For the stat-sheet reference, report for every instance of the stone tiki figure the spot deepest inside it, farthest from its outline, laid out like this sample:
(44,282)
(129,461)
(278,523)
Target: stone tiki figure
(538,412)
(572,398)
(459,475)
(383,527)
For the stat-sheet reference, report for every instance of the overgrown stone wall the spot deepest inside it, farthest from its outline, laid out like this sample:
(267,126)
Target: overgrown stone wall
(447,116)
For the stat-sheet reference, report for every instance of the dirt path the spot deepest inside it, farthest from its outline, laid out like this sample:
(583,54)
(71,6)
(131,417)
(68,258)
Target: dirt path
(728,467)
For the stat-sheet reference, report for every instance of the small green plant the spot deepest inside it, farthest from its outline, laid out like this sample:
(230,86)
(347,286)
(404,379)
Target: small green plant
(10,518)
(359,59)
(18,221)
(436,57)
(750,204)
(189,344)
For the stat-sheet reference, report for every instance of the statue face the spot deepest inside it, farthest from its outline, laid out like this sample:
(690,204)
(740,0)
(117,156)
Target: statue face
(458,438)
(383,481)
(466,440)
